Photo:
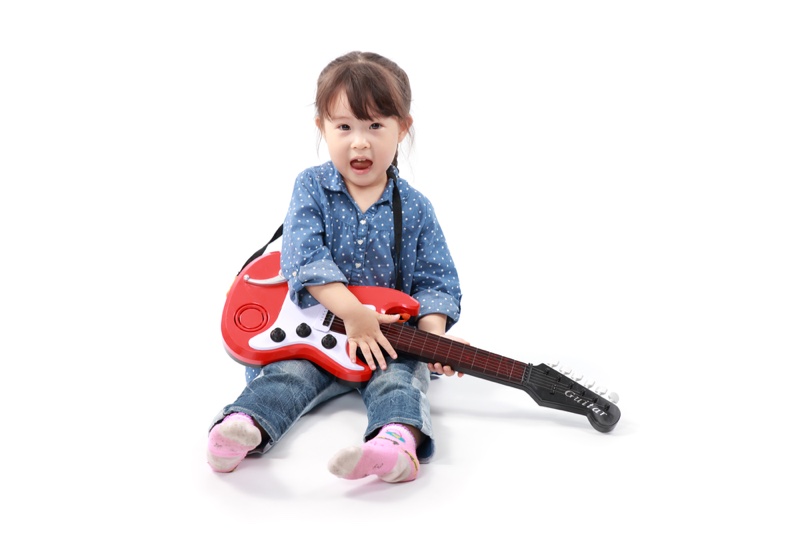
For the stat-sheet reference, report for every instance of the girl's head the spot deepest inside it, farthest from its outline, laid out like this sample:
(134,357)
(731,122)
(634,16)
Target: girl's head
(372,86)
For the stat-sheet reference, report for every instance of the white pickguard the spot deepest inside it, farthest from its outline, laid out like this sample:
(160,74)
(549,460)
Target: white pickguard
(292,316)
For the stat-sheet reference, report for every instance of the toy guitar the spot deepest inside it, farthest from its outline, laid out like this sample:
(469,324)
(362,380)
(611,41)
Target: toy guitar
(261,325)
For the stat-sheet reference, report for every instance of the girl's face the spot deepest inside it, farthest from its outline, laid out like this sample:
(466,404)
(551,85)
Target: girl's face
(361,150)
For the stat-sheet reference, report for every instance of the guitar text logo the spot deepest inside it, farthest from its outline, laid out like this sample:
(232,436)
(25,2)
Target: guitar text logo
(584,402)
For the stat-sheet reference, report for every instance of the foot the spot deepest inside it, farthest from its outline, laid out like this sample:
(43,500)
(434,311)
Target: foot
(230,441)
(390,455)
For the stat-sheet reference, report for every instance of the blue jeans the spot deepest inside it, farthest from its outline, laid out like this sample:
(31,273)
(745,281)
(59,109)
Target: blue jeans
(286,390)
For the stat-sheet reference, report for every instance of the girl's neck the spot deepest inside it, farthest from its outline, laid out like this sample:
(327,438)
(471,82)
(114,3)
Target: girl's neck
(365,197)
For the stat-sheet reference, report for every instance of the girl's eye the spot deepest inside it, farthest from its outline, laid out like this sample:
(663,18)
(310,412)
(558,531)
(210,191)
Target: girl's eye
(344,127)
(375,126)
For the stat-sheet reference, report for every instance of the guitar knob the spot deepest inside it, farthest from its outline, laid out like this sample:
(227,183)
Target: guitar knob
(303,330)
(613,396)
(328,341)
(277,335)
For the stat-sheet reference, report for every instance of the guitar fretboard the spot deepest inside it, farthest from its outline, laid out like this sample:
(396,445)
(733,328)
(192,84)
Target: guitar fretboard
(432,348)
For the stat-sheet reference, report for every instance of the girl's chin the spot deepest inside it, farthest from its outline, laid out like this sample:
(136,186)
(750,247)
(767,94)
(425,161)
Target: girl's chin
(365,178)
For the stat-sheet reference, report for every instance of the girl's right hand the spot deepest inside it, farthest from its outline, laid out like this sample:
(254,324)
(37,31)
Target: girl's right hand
(362,326)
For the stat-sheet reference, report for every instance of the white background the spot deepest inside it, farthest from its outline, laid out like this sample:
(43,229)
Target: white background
(618,182)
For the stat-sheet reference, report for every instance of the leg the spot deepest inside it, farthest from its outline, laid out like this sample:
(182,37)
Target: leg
(273,401)
(399,422)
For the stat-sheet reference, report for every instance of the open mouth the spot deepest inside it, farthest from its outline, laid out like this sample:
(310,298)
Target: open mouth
(360,163)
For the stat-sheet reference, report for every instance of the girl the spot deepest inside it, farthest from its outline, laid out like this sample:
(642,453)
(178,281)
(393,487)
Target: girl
(340,230)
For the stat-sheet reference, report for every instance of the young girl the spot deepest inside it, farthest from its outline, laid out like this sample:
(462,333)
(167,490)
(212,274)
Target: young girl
(340,231)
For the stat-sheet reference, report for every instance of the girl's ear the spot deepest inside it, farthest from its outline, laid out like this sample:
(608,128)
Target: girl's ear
(318,122)
(405,126)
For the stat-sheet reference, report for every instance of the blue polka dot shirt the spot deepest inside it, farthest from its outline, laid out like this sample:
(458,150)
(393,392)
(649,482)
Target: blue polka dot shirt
(326,238)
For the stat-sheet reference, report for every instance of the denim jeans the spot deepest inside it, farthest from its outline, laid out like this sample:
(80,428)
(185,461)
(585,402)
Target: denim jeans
(286,390)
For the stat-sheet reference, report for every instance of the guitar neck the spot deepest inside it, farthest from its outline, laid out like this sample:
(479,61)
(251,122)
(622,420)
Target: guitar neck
(431,348)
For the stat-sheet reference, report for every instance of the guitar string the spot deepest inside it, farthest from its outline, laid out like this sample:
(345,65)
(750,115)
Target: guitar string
(495,365)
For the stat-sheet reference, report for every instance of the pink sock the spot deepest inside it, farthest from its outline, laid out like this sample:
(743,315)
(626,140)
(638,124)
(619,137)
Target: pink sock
(230,440)
(391,455)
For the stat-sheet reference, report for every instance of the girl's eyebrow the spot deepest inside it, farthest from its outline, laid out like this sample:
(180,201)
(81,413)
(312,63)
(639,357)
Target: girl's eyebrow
(345,118)
(341,117)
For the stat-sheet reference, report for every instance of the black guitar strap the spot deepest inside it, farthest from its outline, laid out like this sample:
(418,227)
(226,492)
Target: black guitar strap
(258,253)
(397,211)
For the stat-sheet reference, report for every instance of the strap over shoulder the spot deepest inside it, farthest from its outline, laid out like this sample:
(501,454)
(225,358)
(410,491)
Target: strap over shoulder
(258,253)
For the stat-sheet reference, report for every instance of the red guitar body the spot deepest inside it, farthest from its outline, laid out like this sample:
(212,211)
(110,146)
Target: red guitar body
(257,314)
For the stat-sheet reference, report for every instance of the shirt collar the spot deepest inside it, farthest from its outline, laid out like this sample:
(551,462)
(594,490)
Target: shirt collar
(333,181)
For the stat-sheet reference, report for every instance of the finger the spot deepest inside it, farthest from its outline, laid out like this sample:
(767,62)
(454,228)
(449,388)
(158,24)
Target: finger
(378,354)
(387,346)
(450,372)
(387,319)
(352,349)
(368,356)
(383,345)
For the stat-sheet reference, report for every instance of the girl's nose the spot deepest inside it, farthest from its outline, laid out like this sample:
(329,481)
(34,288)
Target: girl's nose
(360,142)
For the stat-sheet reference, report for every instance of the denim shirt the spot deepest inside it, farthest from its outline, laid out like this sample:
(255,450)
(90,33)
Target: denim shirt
(326,238)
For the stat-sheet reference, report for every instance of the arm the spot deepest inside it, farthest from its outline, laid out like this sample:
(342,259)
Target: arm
(435,283)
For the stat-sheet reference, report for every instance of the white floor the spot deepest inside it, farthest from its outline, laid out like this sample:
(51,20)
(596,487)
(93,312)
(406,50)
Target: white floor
(619,187)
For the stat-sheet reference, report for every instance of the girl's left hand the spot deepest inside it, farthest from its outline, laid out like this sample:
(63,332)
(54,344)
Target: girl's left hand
(446,370)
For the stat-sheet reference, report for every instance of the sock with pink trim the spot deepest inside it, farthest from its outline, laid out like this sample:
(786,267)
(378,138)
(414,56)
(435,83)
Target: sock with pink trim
(391,455)
(230,440)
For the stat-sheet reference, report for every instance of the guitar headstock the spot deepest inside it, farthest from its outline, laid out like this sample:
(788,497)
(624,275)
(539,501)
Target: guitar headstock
(589,383)
(559,387)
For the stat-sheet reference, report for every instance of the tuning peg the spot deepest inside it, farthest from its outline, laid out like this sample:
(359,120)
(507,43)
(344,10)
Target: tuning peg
(589,383)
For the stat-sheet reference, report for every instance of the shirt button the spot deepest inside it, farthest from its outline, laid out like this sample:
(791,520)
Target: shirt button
(294,274)
(358,265)
(360,241)
(363,222)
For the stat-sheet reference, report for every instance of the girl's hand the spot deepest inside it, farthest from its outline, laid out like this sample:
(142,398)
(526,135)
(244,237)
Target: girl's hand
(364,333)
(362,324)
